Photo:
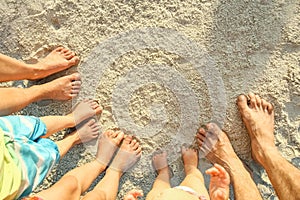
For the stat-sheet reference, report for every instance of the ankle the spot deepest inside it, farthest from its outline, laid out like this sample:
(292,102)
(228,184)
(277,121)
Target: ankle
(114,172)
(268,154)
(164,170)
(72,120)
(190,169)
(36,71)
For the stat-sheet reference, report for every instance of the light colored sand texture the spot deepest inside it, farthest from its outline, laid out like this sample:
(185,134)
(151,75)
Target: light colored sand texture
(157,82)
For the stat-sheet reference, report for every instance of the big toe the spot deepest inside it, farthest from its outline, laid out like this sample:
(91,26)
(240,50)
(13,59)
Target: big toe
(74,60)
(242,102)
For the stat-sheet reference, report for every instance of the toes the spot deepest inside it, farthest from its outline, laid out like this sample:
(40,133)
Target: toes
(270,108)
(202,131)
(138,151)
(201,135)
(212,127)
(91,122)
(94,104)
(133,142)
(68,55)
(73,60)
(58,49)
(136,146)
(242,102)
(264,104)
(113,134)
(120,136)
(75,92)
(253,102)
(64,50)
(76,84)
(258,101)
(95,127)
(75,77)
(128,139)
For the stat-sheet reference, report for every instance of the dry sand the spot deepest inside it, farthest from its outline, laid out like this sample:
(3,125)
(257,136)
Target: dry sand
(245,45)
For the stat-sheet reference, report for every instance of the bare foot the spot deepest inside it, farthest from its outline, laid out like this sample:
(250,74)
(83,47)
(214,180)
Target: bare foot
(222,152)
(160,162)
(128,154)
(59,59)
(64,88)
(87,132)
(258,117)
(85,109)
(108,143)
(190,159)
(219,183)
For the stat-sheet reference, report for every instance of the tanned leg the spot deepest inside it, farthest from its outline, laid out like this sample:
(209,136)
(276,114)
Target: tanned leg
(58,60)
(258,117)
(222,153)
(14,99)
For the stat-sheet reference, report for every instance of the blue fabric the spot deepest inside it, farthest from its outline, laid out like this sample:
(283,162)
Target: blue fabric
(37,155)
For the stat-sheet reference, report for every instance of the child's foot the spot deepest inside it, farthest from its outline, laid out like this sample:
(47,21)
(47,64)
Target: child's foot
(221,152)
(87,132)
(64,88)
(190,159)
(160,163)
(108,143)
(258,117)
(85,109)
(128,154)
(219,183)
(59,59)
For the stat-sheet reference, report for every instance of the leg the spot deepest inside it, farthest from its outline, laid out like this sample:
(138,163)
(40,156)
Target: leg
(162,181)
(81,112)
(14,99)
(58,60)
(86,133)
(223,154)
(75,182)
(194,178)
(128,155)
(258,117)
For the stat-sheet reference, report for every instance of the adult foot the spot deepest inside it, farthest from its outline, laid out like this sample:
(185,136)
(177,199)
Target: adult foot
(258,117)
(190,159)
(87,132)
(108,143)
(160,162)
(63,88)
(221,152)
(59,59)
(128,154)
(84,110)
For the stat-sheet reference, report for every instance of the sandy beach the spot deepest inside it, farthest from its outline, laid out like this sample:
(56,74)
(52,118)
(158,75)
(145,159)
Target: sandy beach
(161,69)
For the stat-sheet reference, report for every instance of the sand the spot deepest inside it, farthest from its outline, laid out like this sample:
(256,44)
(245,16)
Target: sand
(161,69)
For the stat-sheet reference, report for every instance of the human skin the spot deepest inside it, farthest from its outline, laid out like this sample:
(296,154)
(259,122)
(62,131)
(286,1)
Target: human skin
(258,117)
(224,155)
(64,88)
